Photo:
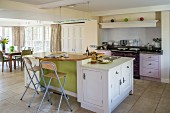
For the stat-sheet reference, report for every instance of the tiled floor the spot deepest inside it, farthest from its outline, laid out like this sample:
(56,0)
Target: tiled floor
(149,97)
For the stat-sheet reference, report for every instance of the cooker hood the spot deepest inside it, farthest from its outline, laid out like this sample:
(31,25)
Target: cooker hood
(131,24)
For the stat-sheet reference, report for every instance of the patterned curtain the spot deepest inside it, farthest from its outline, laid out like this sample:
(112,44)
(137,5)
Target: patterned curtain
(16,35)
(22,36)
(55,38)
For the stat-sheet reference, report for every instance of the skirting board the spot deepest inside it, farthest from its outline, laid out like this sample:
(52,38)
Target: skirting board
(165,80)
(67,92)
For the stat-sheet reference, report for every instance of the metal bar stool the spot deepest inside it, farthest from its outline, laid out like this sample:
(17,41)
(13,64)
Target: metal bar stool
(29,68)
(27,62)
(53,75)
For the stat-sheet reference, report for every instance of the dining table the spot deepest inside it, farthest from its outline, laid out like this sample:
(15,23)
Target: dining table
(10,57)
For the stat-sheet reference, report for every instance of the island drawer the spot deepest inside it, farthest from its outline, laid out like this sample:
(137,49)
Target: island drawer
(116,71)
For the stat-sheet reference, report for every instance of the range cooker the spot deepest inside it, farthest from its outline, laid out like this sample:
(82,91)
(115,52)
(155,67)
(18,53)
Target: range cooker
(131,51)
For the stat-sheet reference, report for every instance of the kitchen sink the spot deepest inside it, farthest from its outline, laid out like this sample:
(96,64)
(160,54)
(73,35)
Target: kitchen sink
(111,58)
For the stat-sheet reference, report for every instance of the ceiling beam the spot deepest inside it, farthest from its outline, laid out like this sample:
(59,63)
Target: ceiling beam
(132,10)
(61,3)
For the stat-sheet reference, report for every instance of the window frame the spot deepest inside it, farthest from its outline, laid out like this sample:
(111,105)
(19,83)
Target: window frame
(41,39)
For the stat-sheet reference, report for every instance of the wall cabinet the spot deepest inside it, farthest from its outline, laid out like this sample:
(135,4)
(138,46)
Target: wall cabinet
(72,38)
(104,90)
(150,65)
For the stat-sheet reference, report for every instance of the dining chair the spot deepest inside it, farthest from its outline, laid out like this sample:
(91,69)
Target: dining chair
(3,59)
(19,58)
(53,75)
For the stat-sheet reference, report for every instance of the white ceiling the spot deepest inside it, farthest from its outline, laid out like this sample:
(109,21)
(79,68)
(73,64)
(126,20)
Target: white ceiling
(36,2)
(99,5)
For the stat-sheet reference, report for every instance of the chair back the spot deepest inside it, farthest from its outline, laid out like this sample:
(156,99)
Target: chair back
(25,52)
(28,65)
(48,65)
(1,56)
(27,60)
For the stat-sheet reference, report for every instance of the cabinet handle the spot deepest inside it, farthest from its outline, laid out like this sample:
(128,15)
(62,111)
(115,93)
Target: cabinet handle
(150,72)
(150,57)
(117,72)
(127,66)
(124,80)
(150,64)
(84,76)
(120,82)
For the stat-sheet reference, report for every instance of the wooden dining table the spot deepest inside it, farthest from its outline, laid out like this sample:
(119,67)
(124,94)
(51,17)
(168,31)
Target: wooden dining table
(9,55)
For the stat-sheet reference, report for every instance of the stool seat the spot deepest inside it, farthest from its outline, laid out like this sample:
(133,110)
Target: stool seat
(53,75)
(35,69)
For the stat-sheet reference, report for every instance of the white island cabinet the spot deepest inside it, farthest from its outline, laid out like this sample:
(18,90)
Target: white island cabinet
(105,86)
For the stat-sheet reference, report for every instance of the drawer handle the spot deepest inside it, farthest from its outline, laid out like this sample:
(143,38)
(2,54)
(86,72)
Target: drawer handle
(124,80)
(150,72)
(127,66)
(117,72)
(150,57)
(120,82)
(150,64)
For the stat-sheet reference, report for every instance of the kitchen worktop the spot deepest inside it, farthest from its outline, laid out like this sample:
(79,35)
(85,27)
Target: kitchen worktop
(141,49)
(56,56)
(109,66)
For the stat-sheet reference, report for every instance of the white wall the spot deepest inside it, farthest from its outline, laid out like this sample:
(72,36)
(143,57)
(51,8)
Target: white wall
(165,58)
(145,35)
(91,34)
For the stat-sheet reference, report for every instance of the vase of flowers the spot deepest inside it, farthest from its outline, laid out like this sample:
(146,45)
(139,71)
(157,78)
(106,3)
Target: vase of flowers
(3,41)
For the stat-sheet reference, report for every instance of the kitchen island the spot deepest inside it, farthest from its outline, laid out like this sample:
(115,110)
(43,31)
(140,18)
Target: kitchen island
(105,86)
(98,87)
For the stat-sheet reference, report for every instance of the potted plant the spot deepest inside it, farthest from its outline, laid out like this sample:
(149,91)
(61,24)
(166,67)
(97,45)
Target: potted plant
(3,41)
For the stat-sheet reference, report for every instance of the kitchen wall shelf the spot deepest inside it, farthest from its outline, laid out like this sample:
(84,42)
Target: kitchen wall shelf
(130,24)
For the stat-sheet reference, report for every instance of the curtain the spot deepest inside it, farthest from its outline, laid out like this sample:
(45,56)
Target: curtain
(18,36)
(55,38)
(22,36)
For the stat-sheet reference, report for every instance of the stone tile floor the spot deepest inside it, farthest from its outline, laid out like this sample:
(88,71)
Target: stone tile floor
(149,97)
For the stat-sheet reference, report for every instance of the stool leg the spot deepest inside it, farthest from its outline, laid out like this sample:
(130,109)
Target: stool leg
(63,94)
(47,93)
(44,95)
(33,82)
(59,103)
(34,94)
(26,88)
(31,78)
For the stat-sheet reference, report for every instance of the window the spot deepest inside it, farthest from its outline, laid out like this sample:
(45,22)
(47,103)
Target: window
(6,32)
(38,37)
(47,38)
(0,31)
